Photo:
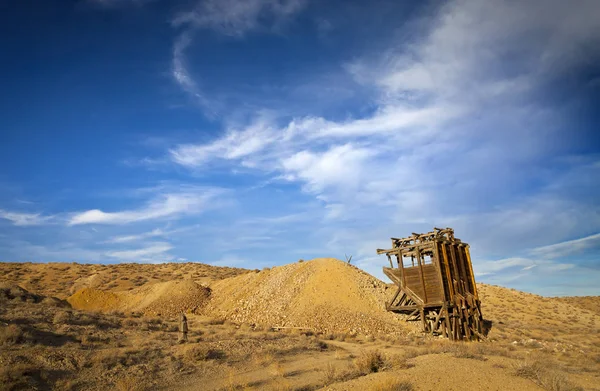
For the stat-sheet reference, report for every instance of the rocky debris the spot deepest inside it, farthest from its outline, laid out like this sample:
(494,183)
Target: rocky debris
(325,295)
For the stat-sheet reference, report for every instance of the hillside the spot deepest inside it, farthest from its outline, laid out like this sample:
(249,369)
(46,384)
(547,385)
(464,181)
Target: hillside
(64,279)
(117,330)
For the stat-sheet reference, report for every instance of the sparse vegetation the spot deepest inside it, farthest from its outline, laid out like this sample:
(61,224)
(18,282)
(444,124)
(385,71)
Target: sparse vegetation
(369,361)
(391,384)
(44,342)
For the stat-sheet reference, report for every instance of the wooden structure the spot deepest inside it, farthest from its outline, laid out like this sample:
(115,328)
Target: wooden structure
(436,284)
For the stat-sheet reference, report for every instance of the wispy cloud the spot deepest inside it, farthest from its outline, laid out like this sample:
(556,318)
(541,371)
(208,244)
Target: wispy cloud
(570,247)
(164,206)
(154,252)
(132,238)
(25,219)
(434,149)
(232,18)
(158,232)
(182,76)
(236,18)
(521,264)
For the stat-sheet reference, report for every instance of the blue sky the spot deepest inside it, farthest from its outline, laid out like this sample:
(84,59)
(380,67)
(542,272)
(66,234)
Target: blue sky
(257,133)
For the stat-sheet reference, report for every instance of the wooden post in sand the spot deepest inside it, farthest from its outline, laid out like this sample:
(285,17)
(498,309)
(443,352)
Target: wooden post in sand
(183,328)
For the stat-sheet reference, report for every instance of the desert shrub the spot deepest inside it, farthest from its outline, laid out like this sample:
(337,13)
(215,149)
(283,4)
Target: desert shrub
(546,376)
(130,322)
(62,317)
(369,361)
(150,324)
(320,345)
(215,321)
(398,361)
(11,335)
(391,384)
(55,302)
(203,353)
(466,351)
(19,377)
(331,374)
(130,384)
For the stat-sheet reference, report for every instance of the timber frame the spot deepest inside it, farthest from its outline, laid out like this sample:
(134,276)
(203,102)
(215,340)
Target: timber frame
(436,284)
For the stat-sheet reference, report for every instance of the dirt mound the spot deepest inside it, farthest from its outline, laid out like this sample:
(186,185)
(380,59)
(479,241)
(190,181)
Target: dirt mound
(170,298)
(324,294)
(161,299)
(91,299)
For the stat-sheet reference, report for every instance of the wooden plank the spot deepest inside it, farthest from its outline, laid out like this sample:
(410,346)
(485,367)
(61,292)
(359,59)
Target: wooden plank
(418,255)
(404,307)
(448,274)
(472,275)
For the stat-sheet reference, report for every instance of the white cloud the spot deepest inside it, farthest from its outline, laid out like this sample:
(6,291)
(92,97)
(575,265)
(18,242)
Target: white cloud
(154,252)
(234,145)
(483,268)
(133,238)
(454,133)
(25,219)
(158,232)
(182,75)
(338,166)
(167,205)
(229,17)
(569,247)
(236,18)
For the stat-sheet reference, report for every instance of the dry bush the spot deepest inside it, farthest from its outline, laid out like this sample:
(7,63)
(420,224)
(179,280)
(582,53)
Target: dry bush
(62,317)
(467,351)
(214,321)
(391,384)
(369,361)
(398,361)
(19,377)
(203,353)
(11,335)
(331,374)
(546,376)
(130,384)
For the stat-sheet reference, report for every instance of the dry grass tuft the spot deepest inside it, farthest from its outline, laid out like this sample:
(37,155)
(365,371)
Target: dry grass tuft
(11,335)
(391,384)
(130,384)
(369,361)
(203,353)
(331,374)
(546,376)
(19,377)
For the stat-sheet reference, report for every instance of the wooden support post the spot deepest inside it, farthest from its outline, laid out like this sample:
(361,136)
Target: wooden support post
(447,322)
(421,275)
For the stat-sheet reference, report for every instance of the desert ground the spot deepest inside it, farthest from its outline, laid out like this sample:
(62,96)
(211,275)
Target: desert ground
(308,325)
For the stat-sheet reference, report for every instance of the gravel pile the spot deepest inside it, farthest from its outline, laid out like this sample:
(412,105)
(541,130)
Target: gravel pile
(325,295)
(165,299)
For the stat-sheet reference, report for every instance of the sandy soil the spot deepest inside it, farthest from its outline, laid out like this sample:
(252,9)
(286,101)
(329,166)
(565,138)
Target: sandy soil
(336,334)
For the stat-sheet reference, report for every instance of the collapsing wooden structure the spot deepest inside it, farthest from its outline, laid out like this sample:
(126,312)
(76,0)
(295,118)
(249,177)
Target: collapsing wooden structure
(436,284)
